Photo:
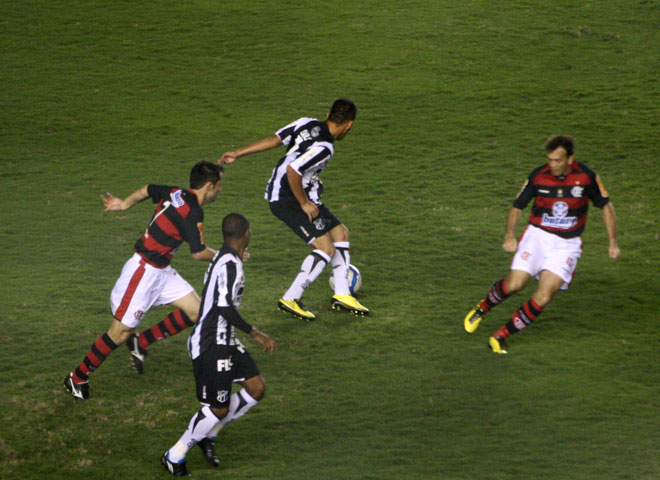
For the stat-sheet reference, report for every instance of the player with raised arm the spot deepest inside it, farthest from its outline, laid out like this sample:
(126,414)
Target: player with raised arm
(219,358)
(147,278)
(294,195)
(550,246)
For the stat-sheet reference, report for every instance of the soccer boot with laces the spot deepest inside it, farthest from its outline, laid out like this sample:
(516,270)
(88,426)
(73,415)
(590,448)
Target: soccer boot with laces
(497,345)
(78,390)
(137,353)
(176,469)
(473,318)
(295,308)
(208,451)
(348,303)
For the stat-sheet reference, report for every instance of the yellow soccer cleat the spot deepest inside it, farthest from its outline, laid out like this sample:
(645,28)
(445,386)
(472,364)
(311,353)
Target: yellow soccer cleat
(349,303)
(473,319)
(497,345)
(295,308)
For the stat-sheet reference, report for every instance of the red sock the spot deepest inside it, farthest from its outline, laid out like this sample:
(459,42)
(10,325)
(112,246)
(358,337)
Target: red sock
(101,348)
(522,318)
(172,324)
(497,294)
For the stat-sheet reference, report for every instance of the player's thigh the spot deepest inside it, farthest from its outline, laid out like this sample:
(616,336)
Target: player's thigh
(562,259)
(340,233)
(549,284)
(214,376)
(189,304)
(175,288)
(530,255)
(516,280)
(136,290)
(255,386)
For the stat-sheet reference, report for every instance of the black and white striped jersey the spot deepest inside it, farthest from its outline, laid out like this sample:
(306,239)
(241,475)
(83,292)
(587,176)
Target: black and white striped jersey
(309,147)
(218,313)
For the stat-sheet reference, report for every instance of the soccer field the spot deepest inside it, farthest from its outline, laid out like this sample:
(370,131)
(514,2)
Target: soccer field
(455,100)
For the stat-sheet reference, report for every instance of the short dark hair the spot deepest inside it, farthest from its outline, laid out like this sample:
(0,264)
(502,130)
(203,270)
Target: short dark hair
(342,111)
(557,141)
(234,226)
(204,172)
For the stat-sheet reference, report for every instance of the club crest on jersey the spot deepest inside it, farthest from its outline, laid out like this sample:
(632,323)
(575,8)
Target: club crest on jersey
(177,199)
(576,191)
(319,223)
(316,131)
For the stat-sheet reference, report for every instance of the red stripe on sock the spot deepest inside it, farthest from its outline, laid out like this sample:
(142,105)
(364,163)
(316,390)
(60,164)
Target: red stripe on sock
(130,291)
(180,321)
(94,359)
(503,332)
(142,340)
(102,346)
(171,328)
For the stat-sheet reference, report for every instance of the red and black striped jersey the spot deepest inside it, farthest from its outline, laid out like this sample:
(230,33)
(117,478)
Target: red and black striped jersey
(178,218)
(561,203)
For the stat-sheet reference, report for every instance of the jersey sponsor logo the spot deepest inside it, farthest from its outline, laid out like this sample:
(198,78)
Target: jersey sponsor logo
(559,218)
(576,191)
(225,364)
(559,209)
(177,198)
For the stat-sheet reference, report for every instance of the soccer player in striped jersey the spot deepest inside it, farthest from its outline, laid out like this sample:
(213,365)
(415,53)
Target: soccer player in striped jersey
(294,195)
(219,358)
(147,278)
(550,246)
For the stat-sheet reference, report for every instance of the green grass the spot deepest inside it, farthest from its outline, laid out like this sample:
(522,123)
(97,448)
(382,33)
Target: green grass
(455,100)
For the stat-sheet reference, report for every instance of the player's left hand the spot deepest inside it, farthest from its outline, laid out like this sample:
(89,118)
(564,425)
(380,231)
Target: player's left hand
(614,252)
(111,202)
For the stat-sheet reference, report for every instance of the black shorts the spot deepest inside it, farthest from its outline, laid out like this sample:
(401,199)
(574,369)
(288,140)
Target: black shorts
(217,368)
(296,219)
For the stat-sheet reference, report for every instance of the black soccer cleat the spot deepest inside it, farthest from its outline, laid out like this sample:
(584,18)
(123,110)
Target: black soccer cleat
(137,353)
(208,451)
(78,390)
(176,469)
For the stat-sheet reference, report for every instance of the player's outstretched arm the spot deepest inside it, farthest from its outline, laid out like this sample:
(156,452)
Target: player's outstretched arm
(610,225)
(510,243)
(261,338)
(112,203)
(205,255)
(260,146)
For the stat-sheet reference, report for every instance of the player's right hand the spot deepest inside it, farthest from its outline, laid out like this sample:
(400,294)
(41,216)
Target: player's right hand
(111,202)
(227,158)
(269,344)
(311,210)
(510,245)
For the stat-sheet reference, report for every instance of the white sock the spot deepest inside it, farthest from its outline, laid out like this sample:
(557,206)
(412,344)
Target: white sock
(200,425)
(340,261)
(311,268)
(239,404)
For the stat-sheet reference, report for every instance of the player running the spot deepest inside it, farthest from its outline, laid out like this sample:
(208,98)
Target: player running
(219,358)
(147,278)
(550,246)
(294,195)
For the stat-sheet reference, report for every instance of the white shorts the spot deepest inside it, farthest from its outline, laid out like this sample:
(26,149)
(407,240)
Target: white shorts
(142,286)
(539,250)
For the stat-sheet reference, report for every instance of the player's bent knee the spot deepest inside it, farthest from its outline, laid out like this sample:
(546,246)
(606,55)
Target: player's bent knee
(256,388)
(220,412)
